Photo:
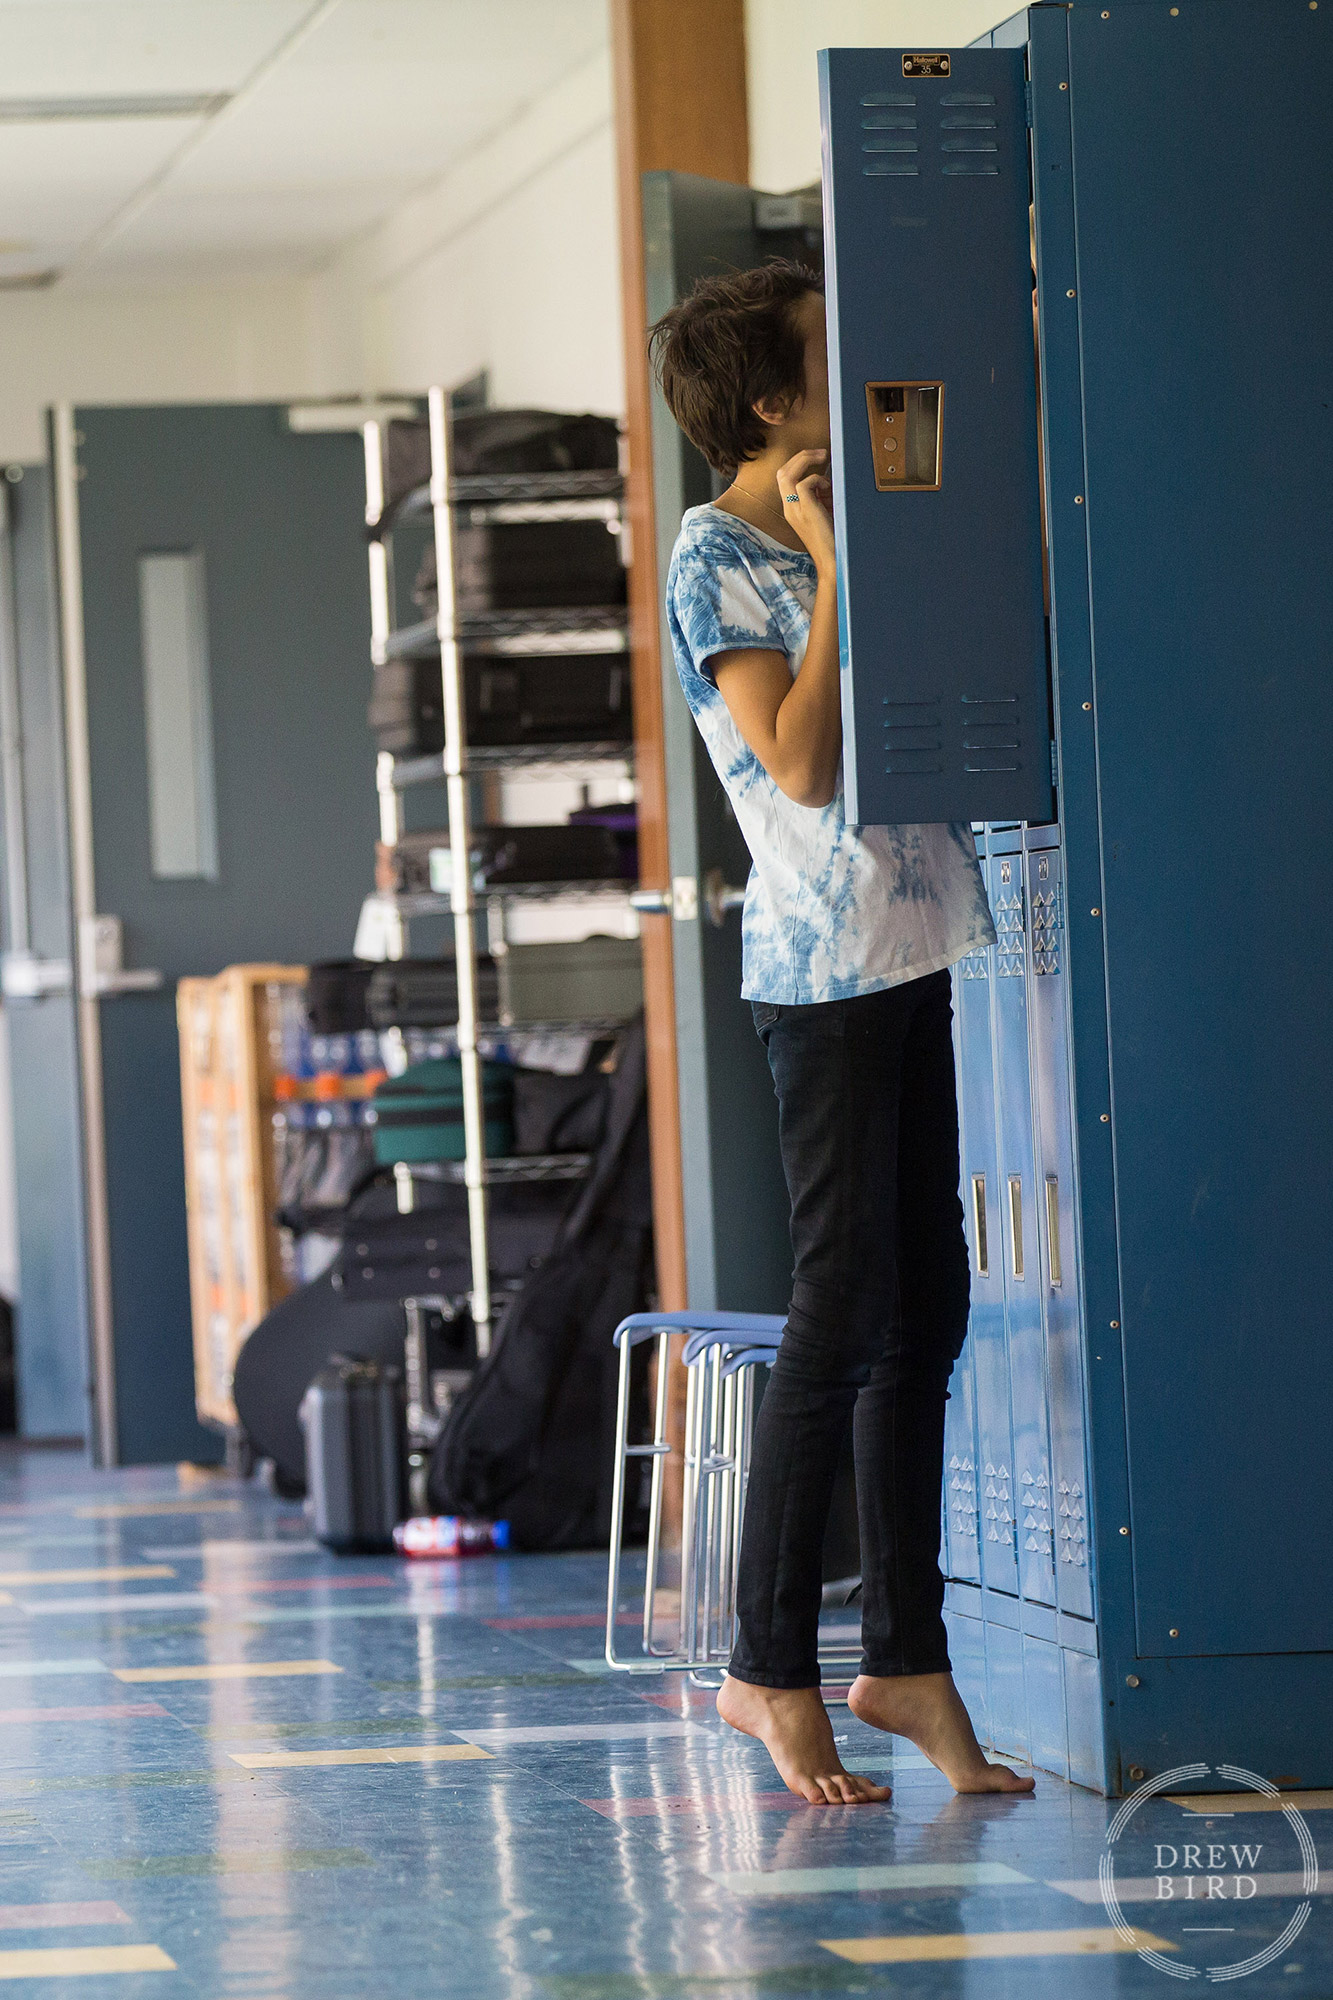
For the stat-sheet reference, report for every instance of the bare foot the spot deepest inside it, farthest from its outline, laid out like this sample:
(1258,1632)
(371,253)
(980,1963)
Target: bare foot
(929,1711)
(793,1726)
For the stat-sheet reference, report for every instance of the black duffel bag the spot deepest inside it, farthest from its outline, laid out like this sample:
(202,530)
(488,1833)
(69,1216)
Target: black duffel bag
(559,1114)
(386,1256)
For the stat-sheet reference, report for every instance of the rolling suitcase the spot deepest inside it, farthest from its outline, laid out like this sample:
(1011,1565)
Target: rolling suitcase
(510,699)
(548,698)
(514,856)
(526,566)
(353,1418)
(595,979)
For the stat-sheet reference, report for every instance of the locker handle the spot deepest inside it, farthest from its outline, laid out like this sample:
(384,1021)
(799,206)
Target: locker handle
(979,1224)
(1016,1222)
(1053,1273)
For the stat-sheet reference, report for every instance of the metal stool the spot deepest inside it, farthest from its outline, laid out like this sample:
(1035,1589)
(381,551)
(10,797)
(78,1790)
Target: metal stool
(721,1354)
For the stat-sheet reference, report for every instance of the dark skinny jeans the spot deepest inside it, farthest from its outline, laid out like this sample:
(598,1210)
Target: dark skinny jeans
(868,1122)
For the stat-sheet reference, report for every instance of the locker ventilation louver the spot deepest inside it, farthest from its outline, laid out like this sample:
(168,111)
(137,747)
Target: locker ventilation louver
(975,153)
(963,1498)
(1073,1534)
(913,737)
(1010,935)
(1000,1522)
(992,734)
(889,122)
(1046,931)
(1037,1524)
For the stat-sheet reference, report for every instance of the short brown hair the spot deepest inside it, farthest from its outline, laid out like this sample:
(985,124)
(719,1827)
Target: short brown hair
(732,342)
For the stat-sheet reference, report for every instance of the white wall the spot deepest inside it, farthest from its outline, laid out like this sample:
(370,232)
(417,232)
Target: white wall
(509,262)
(154,344)
(782,39)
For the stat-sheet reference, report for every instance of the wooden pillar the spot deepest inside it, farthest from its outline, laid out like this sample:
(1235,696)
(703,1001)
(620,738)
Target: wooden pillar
(680,104)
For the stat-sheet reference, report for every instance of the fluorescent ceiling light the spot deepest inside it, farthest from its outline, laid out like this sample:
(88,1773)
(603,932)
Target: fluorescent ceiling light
(43,110)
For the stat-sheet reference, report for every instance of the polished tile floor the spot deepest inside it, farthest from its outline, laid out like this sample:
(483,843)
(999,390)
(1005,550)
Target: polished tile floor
(232,1764)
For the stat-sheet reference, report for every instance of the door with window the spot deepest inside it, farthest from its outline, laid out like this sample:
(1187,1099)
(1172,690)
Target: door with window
(221,808)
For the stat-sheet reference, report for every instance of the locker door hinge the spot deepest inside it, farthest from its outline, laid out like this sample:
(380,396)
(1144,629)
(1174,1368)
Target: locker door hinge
(1055,767)
(1027,101)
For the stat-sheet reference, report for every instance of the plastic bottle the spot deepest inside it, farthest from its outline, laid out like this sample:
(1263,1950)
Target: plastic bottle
(449,1535)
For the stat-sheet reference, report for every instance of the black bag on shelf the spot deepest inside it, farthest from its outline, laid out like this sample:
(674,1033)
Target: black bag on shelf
(386,1256)
(622,823)
(559,1114)
(335,995)
(355,1429)
(526,566)
(531,1441)
(423,992)
(406,709)
(548,698)
(515,855)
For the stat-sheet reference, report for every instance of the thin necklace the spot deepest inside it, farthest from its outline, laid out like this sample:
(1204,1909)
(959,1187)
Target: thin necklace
(766,506)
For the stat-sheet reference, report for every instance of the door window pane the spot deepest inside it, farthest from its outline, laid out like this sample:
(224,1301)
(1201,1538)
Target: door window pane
(178,710)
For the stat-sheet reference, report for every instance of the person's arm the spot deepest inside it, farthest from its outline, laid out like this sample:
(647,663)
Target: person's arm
(794,727)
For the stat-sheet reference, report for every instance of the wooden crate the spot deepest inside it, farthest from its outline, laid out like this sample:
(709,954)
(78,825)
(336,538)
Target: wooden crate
(228,1061)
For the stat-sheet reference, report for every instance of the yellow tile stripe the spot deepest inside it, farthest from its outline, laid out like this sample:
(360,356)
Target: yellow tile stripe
(229,1670)
(1219,1803)
(404,1753)
(989,1944)
(126,1573)
(129,1510)
(69,1961)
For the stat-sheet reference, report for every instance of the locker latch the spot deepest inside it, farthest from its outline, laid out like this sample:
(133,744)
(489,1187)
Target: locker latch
(905,425)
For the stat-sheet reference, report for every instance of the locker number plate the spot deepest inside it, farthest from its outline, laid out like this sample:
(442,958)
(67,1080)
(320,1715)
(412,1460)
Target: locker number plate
(925,65)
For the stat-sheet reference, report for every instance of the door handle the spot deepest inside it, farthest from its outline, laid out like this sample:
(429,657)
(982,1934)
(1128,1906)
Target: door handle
(1054,1272)
(979,1224)
(102,971)
(680,901)
(1016,1225)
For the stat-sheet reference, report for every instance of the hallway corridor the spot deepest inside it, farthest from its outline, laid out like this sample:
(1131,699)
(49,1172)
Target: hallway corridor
(232,1764)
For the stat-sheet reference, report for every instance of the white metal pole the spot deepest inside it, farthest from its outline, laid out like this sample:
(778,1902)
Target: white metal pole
(460,872)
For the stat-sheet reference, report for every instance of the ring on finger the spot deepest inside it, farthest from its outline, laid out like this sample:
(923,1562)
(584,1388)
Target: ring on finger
(791,498)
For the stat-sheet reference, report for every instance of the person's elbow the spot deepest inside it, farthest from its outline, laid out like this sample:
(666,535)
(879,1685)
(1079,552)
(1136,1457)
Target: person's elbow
(805,786)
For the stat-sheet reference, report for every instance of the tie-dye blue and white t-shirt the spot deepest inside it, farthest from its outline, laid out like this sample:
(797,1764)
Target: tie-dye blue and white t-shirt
(831,911)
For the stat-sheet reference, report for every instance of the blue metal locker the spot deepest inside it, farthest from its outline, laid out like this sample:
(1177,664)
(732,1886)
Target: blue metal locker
(933,397)
(992,1469)
(1152,1079)
(1031,1469)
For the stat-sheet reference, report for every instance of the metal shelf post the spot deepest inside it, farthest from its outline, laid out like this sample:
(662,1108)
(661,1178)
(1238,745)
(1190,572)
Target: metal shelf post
(463,908)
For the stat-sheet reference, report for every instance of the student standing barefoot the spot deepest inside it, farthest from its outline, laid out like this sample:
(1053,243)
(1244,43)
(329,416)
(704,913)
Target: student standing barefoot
(848,937)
